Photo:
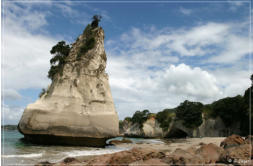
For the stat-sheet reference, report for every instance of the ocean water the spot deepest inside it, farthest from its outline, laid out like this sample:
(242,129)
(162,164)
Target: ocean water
(16,152)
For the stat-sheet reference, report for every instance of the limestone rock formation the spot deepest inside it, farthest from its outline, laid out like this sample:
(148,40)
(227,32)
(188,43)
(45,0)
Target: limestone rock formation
(77,108)
(150,129)
(211,127)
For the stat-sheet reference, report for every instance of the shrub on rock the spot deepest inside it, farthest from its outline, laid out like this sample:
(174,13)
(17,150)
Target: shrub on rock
(190,113)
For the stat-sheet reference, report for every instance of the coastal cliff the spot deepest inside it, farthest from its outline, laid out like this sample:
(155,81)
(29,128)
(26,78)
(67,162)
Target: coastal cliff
(77,108)
(150,129)
(211,127)
(221,118)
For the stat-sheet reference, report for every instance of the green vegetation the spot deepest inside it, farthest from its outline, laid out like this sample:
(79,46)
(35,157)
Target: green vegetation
(121,124)
(245,125)
(60,51)
(190,113)
(89,40)
(165,117)
(128,119)
(207,111)
(96,19)
(232,110)
(43,91)
(140,117)
(151,115)
(90,43)
(87,29)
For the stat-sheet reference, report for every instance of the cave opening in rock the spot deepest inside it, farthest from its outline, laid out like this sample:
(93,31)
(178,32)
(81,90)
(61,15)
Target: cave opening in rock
(176,133)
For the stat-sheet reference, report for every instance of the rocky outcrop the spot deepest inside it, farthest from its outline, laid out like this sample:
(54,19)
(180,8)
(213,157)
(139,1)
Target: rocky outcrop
(198,154)
(211,128)
(150,129)
(126,124)
(206,154)
(135,130)
(178,130)
(130,157)
(210,152)
(123,141)
(237,155)
(233,140)
(77,108)
(237,151)
(183,157)
(249,139)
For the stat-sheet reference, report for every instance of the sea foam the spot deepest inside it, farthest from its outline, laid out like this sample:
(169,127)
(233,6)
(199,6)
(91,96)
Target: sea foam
(76,153)
(23,155)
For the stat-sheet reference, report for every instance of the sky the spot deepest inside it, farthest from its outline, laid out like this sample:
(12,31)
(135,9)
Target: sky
(159,53)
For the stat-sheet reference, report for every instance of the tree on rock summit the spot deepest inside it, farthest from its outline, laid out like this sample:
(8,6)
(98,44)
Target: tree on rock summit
(60,52)
(96,20)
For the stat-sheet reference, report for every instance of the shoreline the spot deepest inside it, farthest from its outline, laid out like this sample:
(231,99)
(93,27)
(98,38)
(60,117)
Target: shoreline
(126,151)
(162,145)
(173,144)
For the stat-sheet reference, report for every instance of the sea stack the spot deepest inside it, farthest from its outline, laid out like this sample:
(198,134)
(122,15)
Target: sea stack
(77,108)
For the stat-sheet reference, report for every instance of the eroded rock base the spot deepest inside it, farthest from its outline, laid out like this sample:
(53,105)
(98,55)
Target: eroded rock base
(65,140)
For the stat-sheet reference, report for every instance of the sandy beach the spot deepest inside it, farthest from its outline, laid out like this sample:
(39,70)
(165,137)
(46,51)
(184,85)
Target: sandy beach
(172,145)
(166,146)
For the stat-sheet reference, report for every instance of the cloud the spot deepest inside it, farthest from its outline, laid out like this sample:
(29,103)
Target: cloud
(148,69)
(235,5)
(83,17)
(236,47)
(217,42)
(10,94)
(185,11)
(232,81)
(20,18)
(11,115)
(139,88)
(25,51)
(25,66)
(66,9)
(193,83)
(136,89)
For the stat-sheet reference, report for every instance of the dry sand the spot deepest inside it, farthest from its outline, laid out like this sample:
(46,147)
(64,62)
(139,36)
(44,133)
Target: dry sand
(172,145)
(168,146)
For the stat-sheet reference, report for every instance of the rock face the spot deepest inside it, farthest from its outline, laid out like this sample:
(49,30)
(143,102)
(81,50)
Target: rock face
(197,154)
(150,129)
(77,108)
(237,155)
(209,128)
(123,141)
(233,140)
(134,156)
(212,128)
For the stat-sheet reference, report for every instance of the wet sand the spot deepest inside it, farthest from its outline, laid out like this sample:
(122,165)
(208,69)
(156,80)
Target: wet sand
(167,146)
(171,145)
